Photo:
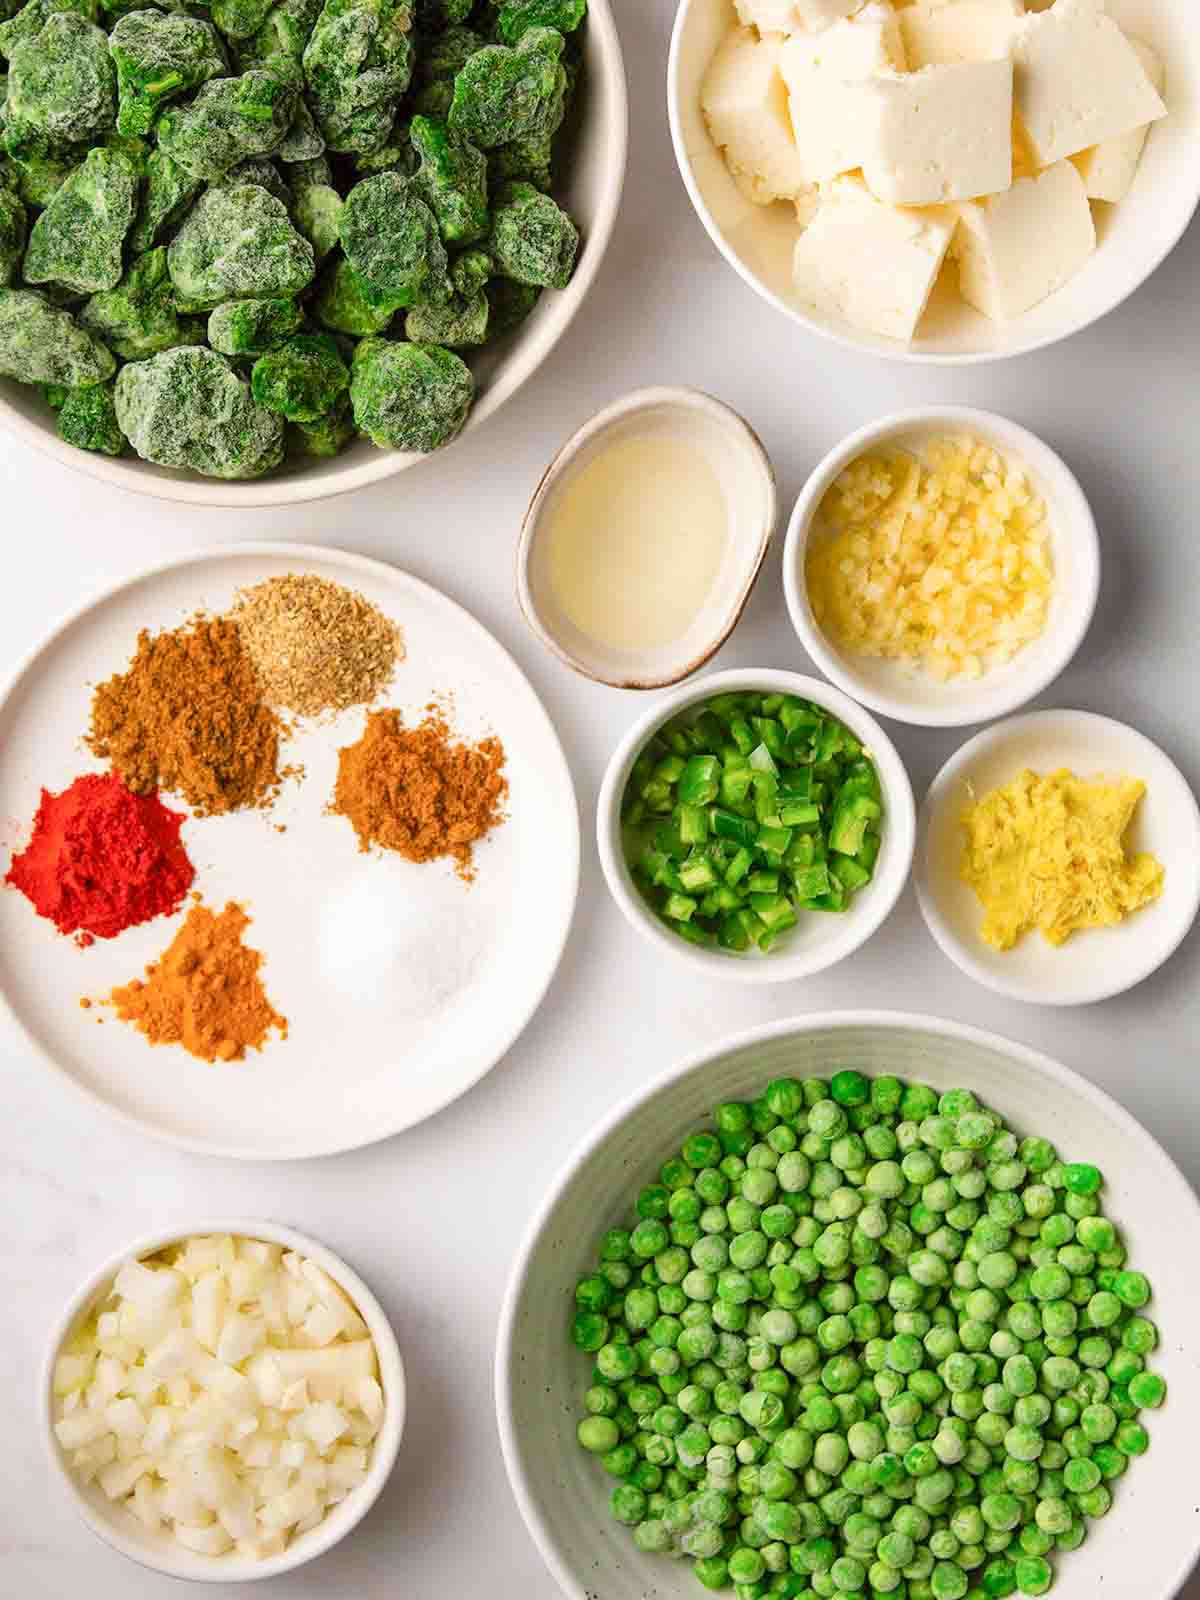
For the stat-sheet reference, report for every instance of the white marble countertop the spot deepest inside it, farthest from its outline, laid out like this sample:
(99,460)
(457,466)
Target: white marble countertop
(432,1218)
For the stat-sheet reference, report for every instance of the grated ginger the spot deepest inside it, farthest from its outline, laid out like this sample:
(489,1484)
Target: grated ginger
(943,562)
(1049,853)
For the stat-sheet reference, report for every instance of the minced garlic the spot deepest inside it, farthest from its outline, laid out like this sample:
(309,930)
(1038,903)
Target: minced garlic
(1049,853)
(941,560)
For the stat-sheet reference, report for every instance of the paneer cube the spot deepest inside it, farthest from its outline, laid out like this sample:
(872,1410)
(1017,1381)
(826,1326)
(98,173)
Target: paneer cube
(794,16)
(869,264)
(1079,81)
(824,75)
(965,30)
(1014,249)
(1108,168)
(745,104)
(941,134)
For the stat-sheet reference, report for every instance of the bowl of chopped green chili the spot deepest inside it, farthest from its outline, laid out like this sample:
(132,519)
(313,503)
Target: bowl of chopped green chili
(854,1305)
(759,823)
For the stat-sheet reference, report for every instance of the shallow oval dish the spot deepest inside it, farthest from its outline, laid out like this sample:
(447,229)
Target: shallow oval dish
(592,196)
(1146,1545)
(819,939)
(157,1551)
(744,471)
(1097,963)
(908,693)
(1134,237)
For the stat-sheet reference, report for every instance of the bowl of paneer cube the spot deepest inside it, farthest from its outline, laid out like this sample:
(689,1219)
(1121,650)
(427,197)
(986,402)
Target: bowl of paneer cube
(939,180)
(272,250)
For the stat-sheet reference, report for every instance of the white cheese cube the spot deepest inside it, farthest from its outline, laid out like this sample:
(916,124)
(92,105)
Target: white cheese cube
(944,133)
(1014,249)
(794,16)
(824,74)
(745,104)
(1078,81)
(868,264)
(967,30)
(1108,168)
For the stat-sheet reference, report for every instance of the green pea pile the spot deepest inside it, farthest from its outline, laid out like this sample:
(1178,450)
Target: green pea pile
(862,1341)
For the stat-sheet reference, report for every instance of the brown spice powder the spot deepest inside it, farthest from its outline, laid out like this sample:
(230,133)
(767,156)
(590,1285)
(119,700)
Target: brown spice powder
(187,716)
(415,791)
(204,991)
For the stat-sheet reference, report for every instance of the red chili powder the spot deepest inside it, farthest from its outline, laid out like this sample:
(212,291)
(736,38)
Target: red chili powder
(102,859)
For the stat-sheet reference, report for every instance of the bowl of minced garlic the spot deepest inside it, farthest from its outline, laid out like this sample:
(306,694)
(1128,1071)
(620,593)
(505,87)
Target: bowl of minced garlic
(942,566)
(1059,857)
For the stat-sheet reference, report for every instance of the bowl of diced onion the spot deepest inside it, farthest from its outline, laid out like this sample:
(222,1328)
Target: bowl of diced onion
(999,526)
(224,1402)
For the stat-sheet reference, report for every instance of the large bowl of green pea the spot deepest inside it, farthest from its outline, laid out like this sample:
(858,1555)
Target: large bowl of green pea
(758,824)
(857,1305)
(275,250)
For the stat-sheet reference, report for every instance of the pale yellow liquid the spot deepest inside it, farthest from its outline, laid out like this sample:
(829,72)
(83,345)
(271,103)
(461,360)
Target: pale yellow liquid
(636,539)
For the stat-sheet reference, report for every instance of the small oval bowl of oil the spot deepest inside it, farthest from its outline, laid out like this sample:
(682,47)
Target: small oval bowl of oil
(645,536)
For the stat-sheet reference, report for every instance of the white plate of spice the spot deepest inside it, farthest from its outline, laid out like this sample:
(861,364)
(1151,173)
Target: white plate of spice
(305,994)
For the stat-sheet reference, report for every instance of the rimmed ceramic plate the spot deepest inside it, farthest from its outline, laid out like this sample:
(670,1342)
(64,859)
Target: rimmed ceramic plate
(402,985)
(1098,963)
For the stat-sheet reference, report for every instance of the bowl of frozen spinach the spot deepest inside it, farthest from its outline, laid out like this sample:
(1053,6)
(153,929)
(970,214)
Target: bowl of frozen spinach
(264,251)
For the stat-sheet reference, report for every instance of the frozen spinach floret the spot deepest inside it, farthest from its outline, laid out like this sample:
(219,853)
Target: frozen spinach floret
(434,16)
(188,408)
(397,155)
(230,119)
(341,303)
(41,343)
(518,16)
(282,36)
(238,242)
(317,214)
(462,321)
(88,420)
(452,178)
(300,379)
(523,161)
(251,327)
(41,166)
(446,55)
(434,99)
(238,19)
(533,239)
(158,58)
(166,194)
(54,394)
(12,235)
(328,435)
(25,22)
(303,141)
(510,303)
(409,396)
(312,174)
(259,170)
(391,239)
(137,318)
(358,63)
(78,237)
(61,82)
(502,94)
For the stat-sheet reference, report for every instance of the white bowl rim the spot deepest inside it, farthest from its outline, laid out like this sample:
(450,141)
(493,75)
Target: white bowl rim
(1083,535)
(912,1022)
(1127,975)
(385,1447)
(930,358)
(297,489)
(858,926)
(627,405)
(300,553)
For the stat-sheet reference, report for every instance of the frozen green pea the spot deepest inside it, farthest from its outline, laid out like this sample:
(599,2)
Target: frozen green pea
(1147,1389)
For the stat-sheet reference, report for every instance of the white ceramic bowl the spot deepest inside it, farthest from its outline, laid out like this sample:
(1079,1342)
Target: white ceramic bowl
(120,1528)
(744,471)
(1134,237)
(909,695)
(592,194)
(1097,964)
(1142,1550)
(818,940)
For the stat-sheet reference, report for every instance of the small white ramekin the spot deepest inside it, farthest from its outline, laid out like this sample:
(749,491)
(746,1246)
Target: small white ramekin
(819,940)
(744,471)
(908,694)
(158,1552)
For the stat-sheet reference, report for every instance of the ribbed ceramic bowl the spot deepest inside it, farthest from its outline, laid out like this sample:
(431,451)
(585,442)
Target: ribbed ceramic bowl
(1144,1548)
(119,1527)
(592,194)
